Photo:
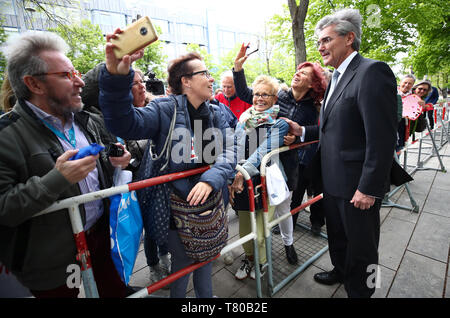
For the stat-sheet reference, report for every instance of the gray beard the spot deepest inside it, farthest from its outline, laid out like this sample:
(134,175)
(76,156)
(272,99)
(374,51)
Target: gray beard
(66,111)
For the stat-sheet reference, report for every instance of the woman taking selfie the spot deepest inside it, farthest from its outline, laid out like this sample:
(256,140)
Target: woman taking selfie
(191,87)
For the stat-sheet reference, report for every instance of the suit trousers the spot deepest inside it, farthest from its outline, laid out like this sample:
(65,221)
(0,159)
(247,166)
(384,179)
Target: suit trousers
(305,180)
(353,237)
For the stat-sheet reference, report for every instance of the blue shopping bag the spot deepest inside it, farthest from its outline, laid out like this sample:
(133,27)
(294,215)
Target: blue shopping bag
(126,230)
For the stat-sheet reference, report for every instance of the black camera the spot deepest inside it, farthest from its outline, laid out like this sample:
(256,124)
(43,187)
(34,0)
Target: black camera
(154,85)
(114,151)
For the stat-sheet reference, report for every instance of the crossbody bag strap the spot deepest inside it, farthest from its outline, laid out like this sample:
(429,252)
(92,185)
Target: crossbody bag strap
(167,144)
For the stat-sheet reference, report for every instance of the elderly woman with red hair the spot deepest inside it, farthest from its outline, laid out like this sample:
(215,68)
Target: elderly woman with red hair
(300,103)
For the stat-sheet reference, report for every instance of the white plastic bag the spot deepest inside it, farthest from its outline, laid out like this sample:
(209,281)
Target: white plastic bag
(277,188)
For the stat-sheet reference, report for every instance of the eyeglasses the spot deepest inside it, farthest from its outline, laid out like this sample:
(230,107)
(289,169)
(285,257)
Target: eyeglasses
(264,96)
(324,41)
(206,73)
(421,89)
(70,75)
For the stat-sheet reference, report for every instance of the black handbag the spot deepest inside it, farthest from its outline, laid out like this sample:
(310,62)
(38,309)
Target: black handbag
(398,175)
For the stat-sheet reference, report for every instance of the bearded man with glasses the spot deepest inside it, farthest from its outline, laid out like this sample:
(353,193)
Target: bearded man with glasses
(47,127)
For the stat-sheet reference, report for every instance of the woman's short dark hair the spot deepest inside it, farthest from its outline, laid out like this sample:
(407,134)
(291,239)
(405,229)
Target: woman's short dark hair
(178,68)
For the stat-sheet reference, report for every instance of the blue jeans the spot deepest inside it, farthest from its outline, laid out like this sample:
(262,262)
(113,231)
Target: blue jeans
(202,276)
(274,140)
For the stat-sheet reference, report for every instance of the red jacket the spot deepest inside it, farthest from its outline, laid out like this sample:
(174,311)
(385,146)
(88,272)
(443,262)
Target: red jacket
(236,105)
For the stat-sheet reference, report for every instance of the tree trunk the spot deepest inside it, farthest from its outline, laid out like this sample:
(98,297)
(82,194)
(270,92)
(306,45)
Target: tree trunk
(298,15)
(268,50)
(444,83)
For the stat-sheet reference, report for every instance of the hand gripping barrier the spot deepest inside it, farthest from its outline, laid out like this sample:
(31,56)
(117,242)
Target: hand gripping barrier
(269,224)
(72,204)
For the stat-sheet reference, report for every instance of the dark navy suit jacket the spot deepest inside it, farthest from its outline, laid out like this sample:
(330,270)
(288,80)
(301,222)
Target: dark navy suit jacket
(358,130)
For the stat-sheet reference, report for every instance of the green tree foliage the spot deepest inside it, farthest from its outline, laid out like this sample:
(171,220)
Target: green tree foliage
(208,58)
(86,42)
(253,67)
(154,58)
(385,27)
(283,51)
(87,48)
(3,37)
(389,27)
(429,54)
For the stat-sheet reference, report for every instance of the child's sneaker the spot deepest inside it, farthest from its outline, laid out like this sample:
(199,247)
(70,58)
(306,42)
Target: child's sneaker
(253,272)
(244,269)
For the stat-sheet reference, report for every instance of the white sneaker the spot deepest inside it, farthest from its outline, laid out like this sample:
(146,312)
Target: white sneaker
(165,262)
(157,272)
(244,269)
(253,271)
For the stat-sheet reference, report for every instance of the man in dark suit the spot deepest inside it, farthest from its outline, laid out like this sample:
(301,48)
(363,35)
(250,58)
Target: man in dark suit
(357,136)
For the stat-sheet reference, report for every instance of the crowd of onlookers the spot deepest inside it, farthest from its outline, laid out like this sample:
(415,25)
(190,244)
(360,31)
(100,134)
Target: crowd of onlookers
(51,111)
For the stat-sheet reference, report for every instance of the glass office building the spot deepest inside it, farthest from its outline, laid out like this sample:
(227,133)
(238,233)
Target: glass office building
(179,26)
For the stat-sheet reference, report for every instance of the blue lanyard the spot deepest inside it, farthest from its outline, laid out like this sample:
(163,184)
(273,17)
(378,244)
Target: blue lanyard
(71,138)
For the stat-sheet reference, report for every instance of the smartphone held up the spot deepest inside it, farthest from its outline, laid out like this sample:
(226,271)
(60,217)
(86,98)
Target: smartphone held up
(134,37)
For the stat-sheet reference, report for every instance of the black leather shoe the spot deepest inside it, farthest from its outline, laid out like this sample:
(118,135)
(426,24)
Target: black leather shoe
(315,229)
(291,255)
(328,278)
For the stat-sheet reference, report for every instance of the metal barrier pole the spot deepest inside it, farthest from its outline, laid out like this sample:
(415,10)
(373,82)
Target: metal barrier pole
(169,279)
(444,129)
(269,224)
(72,204)
(251,236)
(419,165)
(267,228)
(387,203)
(90,287)
(436,150)
(251,198)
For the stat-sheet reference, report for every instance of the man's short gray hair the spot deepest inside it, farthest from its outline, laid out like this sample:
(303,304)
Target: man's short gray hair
(22,55)
(409,76)
(345,21)
(226,74)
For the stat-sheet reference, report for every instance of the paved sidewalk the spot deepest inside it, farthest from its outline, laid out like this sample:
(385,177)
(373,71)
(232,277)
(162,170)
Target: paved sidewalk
(414,248)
